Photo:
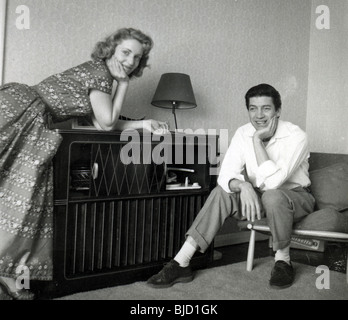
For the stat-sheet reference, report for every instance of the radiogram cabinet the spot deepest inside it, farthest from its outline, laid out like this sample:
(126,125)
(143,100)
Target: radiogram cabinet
(115,222)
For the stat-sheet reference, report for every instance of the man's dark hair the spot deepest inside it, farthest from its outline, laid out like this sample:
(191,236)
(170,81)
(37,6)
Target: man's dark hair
(264,89)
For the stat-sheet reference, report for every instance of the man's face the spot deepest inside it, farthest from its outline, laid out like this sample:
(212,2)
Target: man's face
(261,111)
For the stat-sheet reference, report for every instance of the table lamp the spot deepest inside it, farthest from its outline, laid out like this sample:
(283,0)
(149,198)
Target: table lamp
(174,91)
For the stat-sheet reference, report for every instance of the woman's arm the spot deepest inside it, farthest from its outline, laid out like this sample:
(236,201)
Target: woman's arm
(106,112)
(105,109)
(149,125)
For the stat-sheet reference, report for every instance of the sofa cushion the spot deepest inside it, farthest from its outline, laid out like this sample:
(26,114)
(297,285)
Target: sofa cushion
(330,186)
(327,219)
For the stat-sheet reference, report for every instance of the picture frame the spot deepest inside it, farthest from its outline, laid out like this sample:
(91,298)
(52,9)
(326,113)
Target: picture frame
(84,123)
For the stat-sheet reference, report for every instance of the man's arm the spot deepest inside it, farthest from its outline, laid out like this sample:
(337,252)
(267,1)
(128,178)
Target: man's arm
(233,163)
(231,178)
(271,175)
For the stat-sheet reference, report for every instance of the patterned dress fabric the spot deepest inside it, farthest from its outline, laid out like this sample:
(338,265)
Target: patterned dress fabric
(27,147)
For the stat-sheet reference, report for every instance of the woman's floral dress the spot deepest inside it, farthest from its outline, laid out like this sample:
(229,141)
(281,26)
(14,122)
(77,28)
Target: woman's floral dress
(27,147)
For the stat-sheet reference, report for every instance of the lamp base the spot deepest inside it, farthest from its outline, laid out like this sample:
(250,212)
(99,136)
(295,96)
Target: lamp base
(173,111)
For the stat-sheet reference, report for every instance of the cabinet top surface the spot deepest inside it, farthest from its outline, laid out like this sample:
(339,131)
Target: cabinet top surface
(171,137)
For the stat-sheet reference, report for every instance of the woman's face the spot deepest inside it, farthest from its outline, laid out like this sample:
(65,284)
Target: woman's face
(129,53)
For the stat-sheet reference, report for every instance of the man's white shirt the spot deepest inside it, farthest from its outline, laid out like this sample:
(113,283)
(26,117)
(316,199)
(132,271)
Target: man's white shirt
(286,169)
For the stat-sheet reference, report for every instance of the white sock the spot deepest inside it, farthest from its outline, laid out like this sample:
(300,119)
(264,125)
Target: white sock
(283,254)
(185,254)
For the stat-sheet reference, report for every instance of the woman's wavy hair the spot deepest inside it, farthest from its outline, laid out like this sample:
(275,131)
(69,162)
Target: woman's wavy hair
(105,49)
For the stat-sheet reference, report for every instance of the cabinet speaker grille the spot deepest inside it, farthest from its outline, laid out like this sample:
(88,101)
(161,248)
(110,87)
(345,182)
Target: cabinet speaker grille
(110,235)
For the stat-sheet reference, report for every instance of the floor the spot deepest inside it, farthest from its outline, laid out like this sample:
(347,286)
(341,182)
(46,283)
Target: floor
(334,256)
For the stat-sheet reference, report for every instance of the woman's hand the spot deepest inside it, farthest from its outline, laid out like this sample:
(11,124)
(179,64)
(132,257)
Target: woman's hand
(159,127)
(116,69)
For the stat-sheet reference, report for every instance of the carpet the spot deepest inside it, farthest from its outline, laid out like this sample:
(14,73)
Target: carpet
(232,282)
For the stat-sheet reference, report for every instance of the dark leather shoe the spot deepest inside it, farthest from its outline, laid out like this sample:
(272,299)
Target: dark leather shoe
(170,274)
(282,275)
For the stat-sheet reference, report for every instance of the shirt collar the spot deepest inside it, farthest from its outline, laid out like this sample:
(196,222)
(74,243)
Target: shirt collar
(282,130)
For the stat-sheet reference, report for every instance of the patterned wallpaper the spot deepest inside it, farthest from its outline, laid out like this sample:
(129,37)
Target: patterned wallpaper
(226,46)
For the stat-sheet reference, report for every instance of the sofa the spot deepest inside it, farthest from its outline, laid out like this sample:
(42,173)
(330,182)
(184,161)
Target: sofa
(329,177)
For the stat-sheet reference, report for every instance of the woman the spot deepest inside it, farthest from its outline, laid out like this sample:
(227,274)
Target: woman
(27,147)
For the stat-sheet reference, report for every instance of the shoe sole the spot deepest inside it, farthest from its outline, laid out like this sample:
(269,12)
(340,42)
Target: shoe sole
(272,286)
(168,285)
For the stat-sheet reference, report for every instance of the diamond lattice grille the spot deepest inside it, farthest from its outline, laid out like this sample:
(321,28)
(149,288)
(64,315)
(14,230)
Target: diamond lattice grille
(117,178)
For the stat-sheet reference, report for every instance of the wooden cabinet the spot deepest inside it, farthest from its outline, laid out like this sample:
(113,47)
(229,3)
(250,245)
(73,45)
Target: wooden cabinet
(114,220)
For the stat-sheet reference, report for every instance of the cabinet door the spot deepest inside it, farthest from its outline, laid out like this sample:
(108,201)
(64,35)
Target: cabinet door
(98,170)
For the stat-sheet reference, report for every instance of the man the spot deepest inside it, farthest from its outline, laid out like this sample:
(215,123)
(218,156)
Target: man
(274,154)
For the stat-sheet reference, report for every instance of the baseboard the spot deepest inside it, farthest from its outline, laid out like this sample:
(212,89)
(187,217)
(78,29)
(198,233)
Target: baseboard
(232,238)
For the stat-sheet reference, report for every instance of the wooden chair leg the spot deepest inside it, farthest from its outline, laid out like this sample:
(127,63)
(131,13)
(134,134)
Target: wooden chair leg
(347,266)
(251,250)
(270,242)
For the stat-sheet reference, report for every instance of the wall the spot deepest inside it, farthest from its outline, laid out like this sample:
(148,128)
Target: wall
(327,108)
(3,7)
(225,46)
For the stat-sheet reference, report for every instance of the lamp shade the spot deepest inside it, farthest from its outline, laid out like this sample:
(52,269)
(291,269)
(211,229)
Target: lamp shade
(174,89)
